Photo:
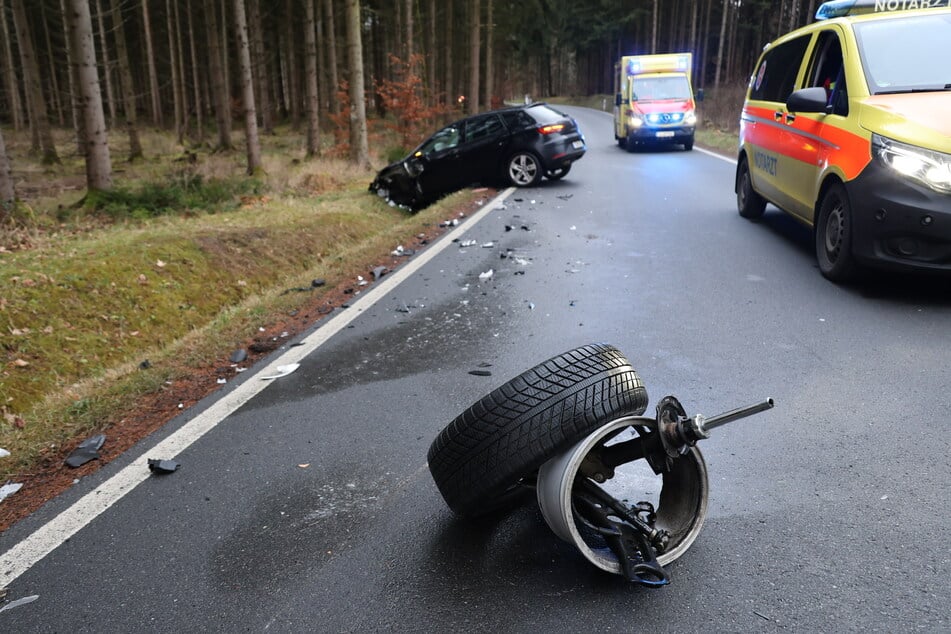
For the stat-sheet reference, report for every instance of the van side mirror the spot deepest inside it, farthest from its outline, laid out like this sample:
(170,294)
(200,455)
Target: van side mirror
(617,99)
(699,94)
(809,100)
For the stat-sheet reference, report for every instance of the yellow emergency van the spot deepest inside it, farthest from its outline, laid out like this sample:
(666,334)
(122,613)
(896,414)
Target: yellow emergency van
(847,127)
(654,102)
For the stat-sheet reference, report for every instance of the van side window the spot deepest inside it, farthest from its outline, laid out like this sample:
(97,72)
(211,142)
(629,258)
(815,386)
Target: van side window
(775,77)
(826,70)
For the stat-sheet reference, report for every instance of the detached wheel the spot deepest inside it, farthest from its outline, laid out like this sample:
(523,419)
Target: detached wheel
(750,204)
(834,236)
(483,454)
(557,174)
(524,169)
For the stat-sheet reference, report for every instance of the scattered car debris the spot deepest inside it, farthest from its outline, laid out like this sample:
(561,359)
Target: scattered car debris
(86,451)
(222,381)
(318,282)
(467,243)
(4,453)
(9,489)
(361,281)
(531,305)
(239,355)
(157,465)
(565,196)
(509,227)
(488,245)
(487,275)
(19,602)
(379,272)
(145,365)
(525,228)
(304,465)
(282,370)
(480,373)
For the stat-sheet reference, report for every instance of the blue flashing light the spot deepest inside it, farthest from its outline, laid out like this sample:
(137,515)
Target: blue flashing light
(839,8)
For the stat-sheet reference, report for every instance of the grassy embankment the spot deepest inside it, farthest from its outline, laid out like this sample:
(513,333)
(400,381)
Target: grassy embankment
(181,265)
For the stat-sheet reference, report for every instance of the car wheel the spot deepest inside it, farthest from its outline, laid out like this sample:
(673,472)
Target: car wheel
(524,169)
(558,174)
(834,235)
(481,457)
(750,204)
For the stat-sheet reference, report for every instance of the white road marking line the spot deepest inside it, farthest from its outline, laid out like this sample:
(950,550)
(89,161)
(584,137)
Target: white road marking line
(24,555)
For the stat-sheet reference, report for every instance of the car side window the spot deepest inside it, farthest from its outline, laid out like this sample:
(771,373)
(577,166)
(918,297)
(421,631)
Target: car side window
(775,78)
(827,70)
(443,140)
(484,128)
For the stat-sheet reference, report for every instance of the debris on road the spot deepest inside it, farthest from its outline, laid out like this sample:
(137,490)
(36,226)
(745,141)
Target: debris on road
(157,465)
(19,602)
(282,370)
(487,275)
(239,355)
(467,243)
(379,272)
(86,451)
(145,365)
(488,245)
(318,282)
(4,453)
(9,489)
(480,373)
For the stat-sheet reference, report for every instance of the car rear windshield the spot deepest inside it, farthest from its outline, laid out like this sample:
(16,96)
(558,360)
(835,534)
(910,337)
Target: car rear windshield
(907,54)
(545,114)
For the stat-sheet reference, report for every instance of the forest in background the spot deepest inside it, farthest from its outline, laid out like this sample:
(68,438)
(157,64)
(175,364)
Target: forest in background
(201,68)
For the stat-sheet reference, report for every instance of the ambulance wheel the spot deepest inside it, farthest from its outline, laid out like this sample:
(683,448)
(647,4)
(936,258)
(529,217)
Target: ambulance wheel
(621,141)
(495,447)
(524,169)
(834,235)
(558,174)
(750,204)
(688,144)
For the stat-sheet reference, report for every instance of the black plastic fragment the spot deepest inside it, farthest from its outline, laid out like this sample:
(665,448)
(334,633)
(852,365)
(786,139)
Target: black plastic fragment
(162,466)
(480,373)
(318,282)
(86,451)
(379,272)
(145,365)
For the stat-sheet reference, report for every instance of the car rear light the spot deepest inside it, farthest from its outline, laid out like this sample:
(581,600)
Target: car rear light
(555,127)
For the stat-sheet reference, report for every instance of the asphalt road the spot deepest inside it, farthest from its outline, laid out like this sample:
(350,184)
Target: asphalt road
(309,508)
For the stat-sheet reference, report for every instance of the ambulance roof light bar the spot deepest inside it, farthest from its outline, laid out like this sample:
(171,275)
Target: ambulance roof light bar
(840,8)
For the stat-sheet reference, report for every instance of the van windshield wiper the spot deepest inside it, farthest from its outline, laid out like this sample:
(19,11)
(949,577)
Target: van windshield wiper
(914,90)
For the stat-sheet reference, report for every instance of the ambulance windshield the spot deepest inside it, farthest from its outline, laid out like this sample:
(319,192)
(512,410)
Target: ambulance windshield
(656,88)
(906,54)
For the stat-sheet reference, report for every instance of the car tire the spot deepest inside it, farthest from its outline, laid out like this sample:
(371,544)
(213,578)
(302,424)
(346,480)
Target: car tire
(621,141)
(481,457)
(524,169)
(749,203)
(558,174)
(834,235)
(688,144)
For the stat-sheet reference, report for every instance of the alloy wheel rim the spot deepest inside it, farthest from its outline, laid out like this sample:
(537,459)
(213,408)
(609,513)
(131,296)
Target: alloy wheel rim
(523,169)
(835,230)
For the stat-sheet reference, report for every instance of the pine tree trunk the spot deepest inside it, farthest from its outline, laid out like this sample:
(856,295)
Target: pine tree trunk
(247,88)
(53,68)
(154,94)
(654,29)
(359,146)
(332,54)
(106,66)
(196,84)
(173,63)
(431,61)
(410,35)
(259,66)
(219,89)
(76,106)
(10,72)
(325,90)
(721,47)
(291,70)
(475,43)
(489,54)
(180,60)
(310,73)
(39,120)
(98,163)
(126,83)
(448,58)
(7,195)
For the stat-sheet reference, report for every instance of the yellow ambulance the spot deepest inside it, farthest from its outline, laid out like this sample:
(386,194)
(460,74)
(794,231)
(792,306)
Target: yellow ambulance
(847,127)
(654,102)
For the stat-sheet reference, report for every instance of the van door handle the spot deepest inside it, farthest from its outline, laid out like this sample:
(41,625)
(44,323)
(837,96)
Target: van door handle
(790,117)
(778,115)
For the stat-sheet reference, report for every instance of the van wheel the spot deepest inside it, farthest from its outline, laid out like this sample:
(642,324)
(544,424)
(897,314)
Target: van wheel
(524,169)
(484,456)
(621,141)
(750,204)
(834,235)
(688,144)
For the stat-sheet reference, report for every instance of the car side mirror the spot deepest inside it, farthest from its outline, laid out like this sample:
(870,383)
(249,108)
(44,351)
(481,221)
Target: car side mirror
(699,95)
(617,99)
(809,100)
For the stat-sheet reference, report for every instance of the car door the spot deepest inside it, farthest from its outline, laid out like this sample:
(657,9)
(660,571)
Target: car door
(441,162)
(483,151)
(769,145)
(814,135)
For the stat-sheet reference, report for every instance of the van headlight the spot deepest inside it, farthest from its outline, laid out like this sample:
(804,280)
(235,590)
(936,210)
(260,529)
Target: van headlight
(690,117)
(635,121)
(925,166)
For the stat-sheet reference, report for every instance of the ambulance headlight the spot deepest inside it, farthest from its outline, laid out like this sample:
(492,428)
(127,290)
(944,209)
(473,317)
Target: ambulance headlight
(925,166)
(690,118)
(635,121)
